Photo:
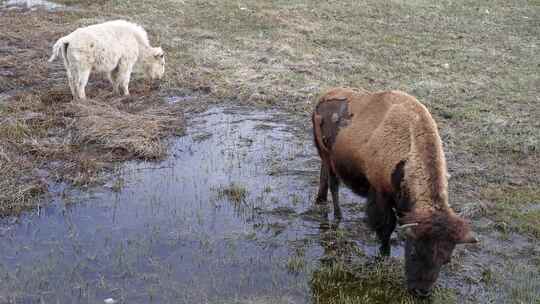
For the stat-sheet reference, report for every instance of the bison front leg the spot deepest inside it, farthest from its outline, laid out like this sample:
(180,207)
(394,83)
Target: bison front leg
(322,196)
(381,218)
(334,188)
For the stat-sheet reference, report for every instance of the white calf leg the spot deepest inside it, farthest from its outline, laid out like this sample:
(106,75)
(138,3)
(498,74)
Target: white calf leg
(82,80)
(124,75)
(113,79)
(70,79)
(71,83)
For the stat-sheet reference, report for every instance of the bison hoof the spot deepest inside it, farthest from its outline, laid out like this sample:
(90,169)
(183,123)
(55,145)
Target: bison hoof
(384,250)
(320,201)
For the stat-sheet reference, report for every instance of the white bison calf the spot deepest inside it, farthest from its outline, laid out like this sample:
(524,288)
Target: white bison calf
(113,48)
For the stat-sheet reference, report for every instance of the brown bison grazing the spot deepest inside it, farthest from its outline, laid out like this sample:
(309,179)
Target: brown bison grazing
(386,146)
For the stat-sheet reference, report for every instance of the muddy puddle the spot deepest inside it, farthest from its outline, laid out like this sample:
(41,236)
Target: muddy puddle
(226,218)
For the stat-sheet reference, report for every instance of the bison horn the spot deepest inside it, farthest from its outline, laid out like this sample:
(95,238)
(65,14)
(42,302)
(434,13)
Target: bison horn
(407,229)
(407,226)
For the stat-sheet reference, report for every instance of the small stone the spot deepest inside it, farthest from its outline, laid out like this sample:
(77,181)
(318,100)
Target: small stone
(446,66)
(110,301)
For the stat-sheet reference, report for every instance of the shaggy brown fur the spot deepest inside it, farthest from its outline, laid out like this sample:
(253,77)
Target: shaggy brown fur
(386,145)
(437,224)
(383,129)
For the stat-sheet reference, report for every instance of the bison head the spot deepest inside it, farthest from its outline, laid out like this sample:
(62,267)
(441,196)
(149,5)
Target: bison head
(430,239)
(154,63)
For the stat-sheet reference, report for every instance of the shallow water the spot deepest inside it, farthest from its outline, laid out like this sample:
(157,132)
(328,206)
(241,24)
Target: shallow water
(174,233)
(31,4)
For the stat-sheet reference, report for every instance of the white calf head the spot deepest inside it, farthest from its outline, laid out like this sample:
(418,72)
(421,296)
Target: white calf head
(154,63)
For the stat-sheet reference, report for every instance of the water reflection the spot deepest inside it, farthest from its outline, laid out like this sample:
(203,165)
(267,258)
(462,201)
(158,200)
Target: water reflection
(32,4)
(225,218)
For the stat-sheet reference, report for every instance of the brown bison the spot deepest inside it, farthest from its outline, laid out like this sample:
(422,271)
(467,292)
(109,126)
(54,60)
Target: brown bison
(386,146)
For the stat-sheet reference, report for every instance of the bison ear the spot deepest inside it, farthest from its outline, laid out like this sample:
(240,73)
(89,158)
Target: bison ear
(461,231)
(468,238)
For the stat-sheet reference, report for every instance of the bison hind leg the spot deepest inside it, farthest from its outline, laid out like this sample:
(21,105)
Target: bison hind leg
(113,79)
(329,178)
(322,196)
(334,188)
(83,80)
(381,218)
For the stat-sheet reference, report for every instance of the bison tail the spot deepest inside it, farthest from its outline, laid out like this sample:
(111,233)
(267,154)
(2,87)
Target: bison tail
(59,46)
(317,122)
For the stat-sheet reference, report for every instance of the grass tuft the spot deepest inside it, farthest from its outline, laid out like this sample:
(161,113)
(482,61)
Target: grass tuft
(380,282)
(234,192)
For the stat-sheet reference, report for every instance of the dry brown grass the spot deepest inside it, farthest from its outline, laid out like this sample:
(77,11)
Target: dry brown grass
(76,142)
(113,129)
(20,189)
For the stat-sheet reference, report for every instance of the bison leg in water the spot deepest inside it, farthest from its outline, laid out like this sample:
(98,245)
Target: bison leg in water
(322,196)
(381,218)
(334,188)
(329,117)
(329,177)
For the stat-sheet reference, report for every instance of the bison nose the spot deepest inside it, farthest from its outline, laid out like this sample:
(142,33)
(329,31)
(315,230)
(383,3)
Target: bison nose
(420,292)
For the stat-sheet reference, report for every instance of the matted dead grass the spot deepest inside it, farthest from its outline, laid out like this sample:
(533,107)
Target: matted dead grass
(137,134)
(20,189)
(76,142)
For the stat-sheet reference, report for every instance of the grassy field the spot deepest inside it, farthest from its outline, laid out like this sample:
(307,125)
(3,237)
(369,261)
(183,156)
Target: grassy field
(475,64)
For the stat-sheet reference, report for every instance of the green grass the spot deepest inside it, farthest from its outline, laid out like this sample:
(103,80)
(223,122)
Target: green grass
(381,282)
(296,264)
(515,208)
